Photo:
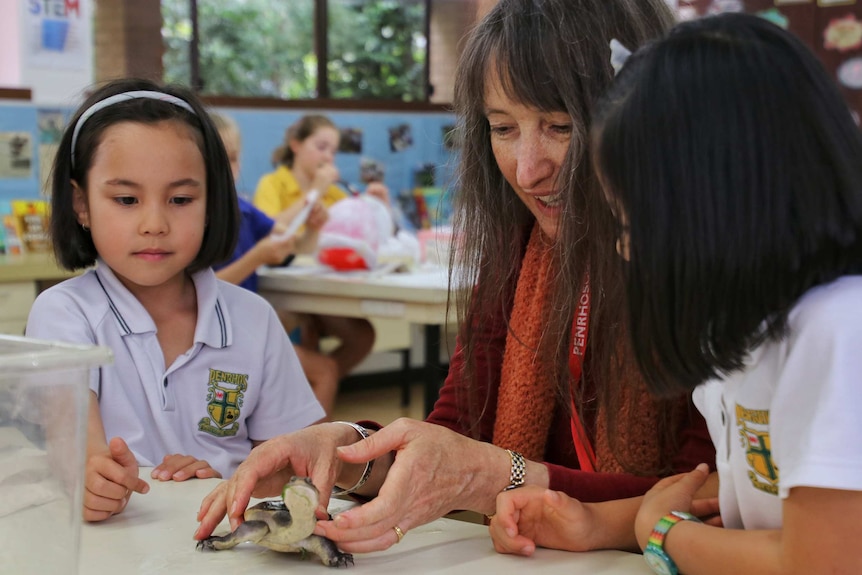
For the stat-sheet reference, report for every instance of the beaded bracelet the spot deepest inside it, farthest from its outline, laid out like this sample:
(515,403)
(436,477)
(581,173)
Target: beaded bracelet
(366,473)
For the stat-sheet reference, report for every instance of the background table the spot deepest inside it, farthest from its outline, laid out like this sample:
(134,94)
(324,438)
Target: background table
(154,535)
(418,297)
(22,277)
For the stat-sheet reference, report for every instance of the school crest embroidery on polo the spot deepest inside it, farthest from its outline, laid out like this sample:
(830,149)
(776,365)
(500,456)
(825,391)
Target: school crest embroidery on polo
(753,426)
(224,403)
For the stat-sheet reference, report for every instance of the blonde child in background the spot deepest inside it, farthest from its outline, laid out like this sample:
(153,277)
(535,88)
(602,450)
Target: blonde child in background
(257,246)
(203,371)
(732,165)
(305,162)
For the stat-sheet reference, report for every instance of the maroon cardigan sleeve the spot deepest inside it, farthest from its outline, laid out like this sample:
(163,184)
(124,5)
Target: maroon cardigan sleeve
(451,408)
(695,446)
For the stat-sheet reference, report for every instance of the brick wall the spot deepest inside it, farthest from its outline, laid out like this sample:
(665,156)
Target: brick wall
(450,21)
(127,36)
(109,40)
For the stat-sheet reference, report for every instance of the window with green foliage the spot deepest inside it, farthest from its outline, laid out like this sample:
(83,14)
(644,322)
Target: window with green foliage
(374,49)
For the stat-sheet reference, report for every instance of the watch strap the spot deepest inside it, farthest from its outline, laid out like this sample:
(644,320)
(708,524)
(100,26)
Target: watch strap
(518,471)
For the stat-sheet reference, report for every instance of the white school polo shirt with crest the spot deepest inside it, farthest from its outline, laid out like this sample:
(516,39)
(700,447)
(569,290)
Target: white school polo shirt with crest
(791,418)
(240,381)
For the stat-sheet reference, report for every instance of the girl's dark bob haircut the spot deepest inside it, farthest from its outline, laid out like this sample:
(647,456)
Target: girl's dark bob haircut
(737,166)
(73,246)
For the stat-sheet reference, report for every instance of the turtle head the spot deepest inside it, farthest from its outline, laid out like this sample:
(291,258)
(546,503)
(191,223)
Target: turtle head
(299,493)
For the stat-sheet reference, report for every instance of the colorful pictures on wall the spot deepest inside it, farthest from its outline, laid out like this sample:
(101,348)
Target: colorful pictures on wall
(351,141)
(843,34)
(31,218)
(775,16)
(16,154)
(400,137)
(450,137)
(835,2)
(370,170)
(50,124)
(850,73)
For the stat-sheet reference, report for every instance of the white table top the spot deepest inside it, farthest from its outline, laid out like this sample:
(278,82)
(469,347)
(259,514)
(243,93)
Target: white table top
(429,284)
(154,535)
(419,297)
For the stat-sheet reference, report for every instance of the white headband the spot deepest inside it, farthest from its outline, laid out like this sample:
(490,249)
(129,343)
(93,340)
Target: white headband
(116,98)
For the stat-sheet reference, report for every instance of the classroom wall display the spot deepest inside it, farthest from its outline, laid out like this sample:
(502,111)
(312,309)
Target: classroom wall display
(350,141)
(401,145)
(57,32)
(400,137)
(16,154)
(831,28)
(23,184)
(262,131)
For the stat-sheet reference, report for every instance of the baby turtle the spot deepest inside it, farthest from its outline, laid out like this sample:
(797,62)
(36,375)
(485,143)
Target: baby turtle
(285,526)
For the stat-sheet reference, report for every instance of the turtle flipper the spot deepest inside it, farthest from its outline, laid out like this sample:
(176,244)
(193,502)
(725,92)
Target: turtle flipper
(252,531)
(326,549)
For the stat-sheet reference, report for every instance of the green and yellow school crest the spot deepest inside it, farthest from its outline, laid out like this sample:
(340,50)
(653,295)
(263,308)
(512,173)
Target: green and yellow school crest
(224,402)
(753,425)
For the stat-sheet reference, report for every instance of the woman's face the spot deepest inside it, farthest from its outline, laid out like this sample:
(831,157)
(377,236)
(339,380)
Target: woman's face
(530,147)
(316,150)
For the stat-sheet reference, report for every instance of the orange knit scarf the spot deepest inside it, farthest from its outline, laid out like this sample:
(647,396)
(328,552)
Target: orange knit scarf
(528,389)
(527,396)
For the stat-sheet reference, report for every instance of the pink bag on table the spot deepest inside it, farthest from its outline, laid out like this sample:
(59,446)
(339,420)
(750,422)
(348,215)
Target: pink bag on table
(351,237)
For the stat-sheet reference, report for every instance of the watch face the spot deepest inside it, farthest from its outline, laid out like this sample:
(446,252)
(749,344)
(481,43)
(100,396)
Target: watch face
(657,562)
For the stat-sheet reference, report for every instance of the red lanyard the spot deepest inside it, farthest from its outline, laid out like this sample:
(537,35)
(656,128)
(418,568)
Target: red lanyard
(580,329)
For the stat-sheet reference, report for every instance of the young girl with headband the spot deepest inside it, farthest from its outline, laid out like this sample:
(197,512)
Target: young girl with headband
(733,167)
(203,371)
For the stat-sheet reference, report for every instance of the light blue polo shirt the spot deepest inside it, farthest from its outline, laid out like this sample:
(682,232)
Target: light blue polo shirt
(240,381)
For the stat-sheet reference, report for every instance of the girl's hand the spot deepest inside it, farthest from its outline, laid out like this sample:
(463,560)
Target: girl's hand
(531,517)
(325,176)
(317,216)
(670,494)
(379,191)
(435,471)
(273,250)
(178,467)
(110,478)
(308,452)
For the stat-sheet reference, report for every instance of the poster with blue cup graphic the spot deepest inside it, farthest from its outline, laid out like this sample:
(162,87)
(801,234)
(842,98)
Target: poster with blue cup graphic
(59,32)
(54,33)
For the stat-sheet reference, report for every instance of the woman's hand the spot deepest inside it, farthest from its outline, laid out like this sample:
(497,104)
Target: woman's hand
(435,471)
(308,452)
(178,467)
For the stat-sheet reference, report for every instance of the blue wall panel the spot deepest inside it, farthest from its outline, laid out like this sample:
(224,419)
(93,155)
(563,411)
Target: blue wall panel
(21,118)
(263,131)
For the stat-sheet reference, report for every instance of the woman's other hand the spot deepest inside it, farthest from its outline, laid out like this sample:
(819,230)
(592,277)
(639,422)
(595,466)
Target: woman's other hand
(435,471)
(309,452)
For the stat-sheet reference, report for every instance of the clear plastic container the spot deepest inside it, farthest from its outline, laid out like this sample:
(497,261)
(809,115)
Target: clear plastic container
(44,394)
